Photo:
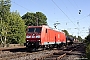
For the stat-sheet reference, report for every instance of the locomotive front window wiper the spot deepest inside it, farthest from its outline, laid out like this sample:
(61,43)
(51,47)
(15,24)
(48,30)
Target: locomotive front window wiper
(34,29)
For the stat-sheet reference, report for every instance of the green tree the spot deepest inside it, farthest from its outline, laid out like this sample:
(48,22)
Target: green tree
(74,37)
(29,18)
(4,18)
(5,10)
(34,19)
(12,27)
(17,28)
(87,41)
(66,32)
(88,38)
(79,38)
(42,19)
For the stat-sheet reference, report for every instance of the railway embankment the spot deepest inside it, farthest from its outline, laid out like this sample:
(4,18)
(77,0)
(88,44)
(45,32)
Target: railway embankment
(78,53)
(71,52)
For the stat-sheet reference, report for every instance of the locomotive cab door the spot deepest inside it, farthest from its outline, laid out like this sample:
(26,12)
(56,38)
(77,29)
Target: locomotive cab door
(47,36)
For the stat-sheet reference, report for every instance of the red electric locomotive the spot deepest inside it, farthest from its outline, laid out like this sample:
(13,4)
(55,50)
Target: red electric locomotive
(43,36)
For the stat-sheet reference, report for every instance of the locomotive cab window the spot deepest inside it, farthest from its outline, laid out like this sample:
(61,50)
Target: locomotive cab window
(46,30)
(38,30)
(30,29)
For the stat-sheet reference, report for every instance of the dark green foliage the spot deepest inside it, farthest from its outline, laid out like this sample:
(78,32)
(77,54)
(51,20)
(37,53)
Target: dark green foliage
(41,18)
(87,41)
(31,19)
(79,38)
(88,38)
(88,50)
(74,37)
(66,32)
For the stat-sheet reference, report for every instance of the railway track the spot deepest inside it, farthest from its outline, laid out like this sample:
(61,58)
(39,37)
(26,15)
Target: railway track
(19,55)
(60,54)
(52,56)
(55,54)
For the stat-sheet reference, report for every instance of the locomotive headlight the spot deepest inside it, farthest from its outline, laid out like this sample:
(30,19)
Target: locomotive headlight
(28,36)
(38,36)
(27,40)
(38,40)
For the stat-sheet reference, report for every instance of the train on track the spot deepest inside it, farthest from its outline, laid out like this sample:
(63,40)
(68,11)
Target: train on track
(45,37)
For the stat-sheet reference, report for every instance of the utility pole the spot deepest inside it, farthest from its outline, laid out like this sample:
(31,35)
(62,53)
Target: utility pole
(78,27)
(37,21)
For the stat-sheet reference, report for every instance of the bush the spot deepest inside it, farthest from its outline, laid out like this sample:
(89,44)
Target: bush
(88,51)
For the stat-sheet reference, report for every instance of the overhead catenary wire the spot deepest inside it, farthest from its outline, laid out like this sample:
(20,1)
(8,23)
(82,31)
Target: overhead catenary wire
(63,12)
(26,9)
(68,9)
(84,17)
(73,5)
(76,9)
(36,17)
(20,5)
(76,4)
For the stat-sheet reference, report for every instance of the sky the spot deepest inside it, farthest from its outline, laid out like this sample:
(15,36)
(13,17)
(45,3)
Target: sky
(66,12)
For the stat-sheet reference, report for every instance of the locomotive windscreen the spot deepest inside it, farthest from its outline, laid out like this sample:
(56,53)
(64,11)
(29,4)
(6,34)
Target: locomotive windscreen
(33,29)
